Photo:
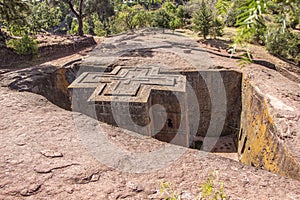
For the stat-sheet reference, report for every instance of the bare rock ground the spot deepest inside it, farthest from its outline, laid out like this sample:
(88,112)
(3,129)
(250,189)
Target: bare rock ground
(43,156)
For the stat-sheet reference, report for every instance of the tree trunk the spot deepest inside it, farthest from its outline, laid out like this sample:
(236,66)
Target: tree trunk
(78,15)
(80,19)
(80,26)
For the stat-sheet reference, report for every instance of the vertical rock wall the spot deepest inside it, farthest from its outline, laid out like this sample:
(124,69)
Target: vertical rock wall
(258,144)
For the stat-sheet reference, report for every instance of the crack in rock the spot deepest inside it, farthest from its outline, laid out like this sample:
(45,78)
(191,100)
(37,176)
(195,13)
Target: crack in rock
(42,170)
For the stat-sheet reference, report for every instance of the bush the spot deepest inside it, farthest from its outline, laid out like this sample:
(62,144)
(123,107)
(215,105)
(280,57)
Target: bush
(74,27)
(161,19)
(99,29)
(211,189)
(87,28)
(168,16)
(130,18)
(168,191)
(216,28)
(24,46)
(283,43)
(69,20)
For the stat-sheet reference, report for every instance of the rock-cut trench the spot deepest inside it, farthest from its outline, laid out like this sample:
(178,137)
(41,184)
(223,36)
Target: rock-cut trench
(232,117)
(247,131)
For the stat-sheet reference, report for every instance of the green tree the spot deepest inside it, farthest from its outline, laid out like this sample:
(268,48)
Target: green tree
(202,19)
(104,10)
(228,10)
(125,18)
(77,6)
(283,43)
(258,17)
(161,19)
(216,28)
(130,18)
(13,11)
(44,17)
(169,16)
(83,8)
(12,15)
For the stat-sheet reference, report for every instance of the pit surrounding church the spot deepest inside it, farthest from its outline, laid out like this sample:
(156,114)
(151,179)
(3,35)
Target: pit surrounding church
(190,103)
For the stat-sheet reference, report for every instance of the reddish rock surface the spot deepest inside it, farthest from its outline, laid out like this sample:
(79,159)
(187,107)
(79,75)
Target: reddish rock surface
(43,154)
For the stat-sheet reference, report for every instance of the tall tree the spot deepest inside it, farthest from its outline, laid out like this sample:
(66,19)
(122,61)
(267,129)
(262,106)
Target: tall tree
(84,8)
(12,12)
(44,18)
(104,10)
(202,19)
(77,7)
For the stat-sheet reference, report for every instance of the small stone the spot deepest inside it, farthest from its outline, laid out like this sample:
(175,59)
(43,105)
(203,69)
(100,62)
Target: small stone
(150,192)
(70,190)
(24,192)
(186,195)
(246,183)
(31,190)
(51,154)
(135,187)
(95,177)
(139,188)
(42,169)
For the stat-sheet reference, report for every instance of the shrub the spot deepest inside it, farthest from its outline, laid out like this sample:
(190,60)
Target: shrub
(216,28)
(161,19)
(113,25)
(212,188)
(69,20)
(99,29)
(168,16)
(141,19)
(283,43)
(74,27)
(24,46)
(87,28)
(183,15)
(130,18)
(167,190)
(206,21)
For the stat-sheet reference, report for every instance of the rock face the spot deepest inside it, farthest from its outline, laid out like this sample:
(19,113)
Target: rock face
(48,81)
(258,143)
(49,152)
